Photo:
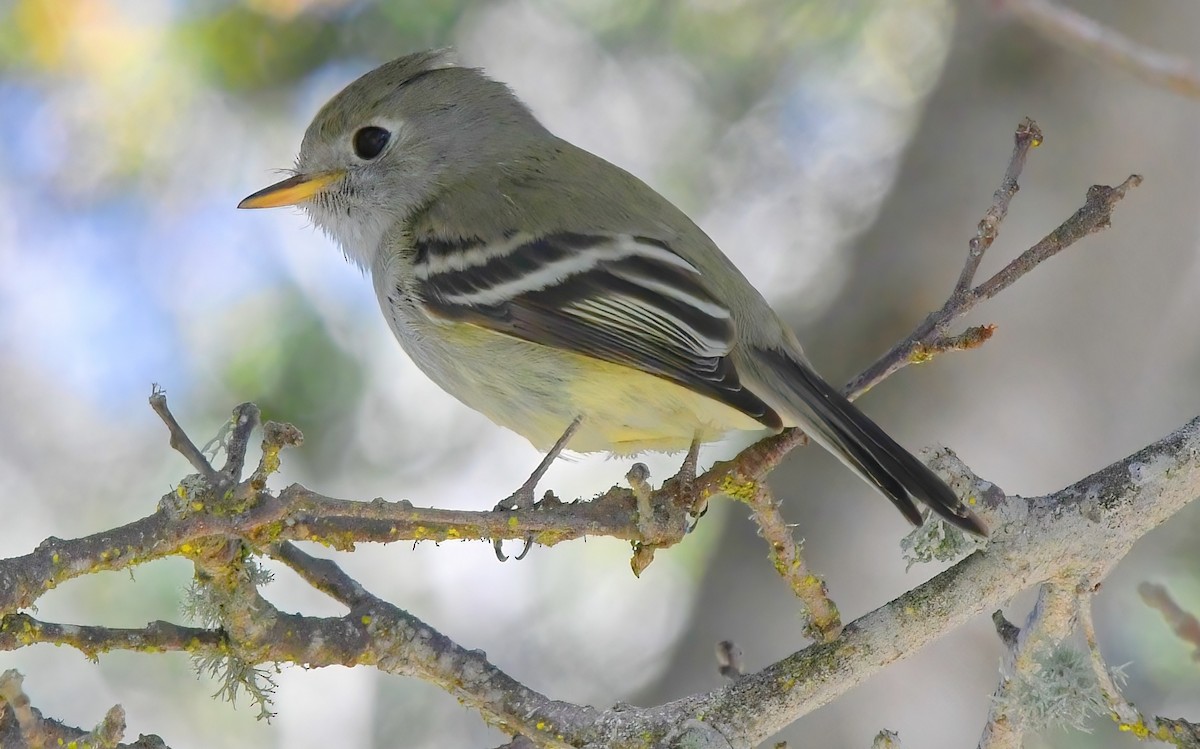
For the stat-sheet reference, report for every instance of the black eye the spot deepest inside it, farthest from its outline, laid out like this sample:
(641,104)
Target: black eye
(369,142)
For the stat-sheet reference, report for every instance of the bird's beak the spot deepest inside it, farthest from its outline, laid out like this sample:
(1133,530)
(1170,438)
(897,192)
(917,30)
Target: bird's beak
(291,191)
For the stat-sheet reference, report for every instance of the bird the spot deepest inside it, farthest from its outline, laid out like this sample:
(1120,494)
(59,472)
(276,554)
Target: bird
(558,294)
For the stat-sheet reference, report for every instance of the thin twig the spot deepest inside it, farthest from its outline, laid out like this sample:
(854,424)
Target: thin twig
(276,436)
(1027,136)
(322,574)
(1093,216)
(244,421)
(823,622)
(971,338)
(17,630)
(1109,688)
(180,442)
(1089,37)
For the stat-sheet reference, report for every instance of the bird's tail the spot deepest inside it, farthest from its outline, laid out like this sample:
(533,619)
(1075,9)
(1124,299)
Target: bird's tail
(834,422)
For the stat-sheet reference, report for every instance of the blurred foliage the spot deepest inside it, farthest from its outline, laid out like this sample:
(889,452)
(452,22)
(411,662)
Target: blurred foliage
(243,49)
(286,362)
(246,46)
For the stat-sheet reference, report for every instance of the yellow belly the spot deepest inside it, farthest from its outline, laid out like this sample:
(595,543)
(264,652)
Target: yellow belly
(536,391)
(626,411)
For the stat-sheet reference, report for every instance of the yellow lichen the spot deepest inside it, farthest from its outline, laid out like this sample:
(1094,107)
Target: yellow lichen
(920,355)
(743,490)
(270,459)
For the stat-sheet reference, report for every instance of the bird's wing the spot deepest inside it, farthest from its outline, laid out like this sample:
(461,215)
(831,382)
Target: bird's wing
(622,298)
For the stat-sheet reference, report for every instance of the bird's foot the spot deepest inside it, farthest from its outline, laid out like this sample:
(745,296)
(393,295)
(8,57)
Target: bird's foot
(523,499)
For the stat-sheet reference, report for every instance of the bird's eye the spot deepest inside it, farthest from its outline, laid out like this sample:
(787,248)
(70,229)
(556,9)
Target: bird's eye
(369,142)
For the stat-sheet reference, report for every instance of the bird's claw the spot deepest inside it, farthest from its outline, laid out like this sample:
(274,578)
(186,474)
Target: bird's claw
(521,499)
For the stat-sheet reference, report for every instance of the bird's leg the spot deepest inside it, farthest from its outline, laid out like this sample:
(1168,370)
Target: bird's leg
(685,484)
(523,497)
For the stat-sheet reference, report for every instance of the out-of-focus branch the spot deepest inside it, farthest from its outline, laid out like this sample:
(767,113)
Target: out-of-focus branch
(1177,732)
(1092,39)
(1184,624)
(23,725)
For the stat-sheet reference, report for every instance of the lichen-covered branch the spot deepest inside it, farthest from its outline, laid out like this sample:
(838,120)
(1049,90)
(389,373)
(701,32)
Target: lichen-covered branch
(19,630)
(1043,682)
(822,621)
(1085,528)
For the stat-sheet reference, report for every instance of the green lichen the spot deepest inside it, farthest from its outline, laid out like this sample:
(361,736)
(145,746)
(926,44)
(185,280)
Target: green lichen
(937,540)
(1059,690)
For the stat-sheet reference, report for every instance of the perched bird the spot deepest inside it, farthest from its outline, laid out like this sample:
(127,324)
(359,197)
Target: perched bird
(558,294)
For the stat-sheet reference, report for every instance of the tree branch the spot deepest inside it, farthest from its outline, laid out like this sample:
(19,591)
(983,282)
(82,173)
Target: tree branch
(1050,622)
(22,725)
(1086,528)
(1178,732)
(822,621)
(1092,39)
(19,630)
(1095,215)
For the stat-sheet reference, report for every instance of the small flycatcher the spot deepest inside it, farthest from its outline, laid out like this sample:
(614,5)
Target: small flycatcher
(556,293)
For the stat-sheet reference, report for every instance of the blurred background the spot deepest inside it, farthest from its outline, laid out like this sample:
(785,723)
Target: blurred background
(841,153)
